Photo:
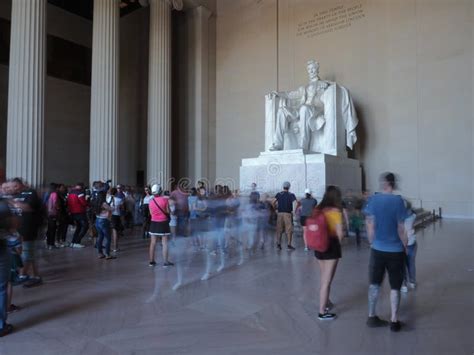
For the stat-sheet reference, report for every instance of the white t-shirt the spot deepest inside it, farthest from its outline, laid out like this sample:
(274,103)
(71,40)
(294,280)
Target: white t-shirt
(116,203)
(410,229)
(147,199)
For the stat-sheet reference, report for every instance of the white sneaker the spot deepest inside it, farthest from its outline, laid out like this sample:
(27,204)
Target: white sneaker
(412,285)
(77,245)
(404,289)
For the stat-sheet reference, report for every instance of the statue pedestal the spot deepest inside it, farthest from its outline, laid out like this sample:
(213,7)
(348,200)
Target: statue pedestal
(311,170)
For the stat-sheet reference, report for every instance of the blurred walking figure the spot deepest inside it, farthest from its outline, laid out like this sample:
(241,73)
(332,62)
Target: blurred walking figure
(284,205)
(159,227)
(200,227)
(193,216)
(233,218)
(265,215)
(386,214)
(182,211)
(308,203)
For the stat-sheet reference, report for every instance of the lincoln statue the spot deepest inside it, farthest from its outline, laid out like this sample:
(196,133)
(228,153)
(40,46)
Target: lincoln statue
(318,117)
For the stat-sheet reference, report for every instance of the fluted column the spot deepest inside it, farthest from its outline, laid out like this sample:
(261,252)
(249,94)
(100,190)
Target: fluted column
(104,91)
(25,130)
(201,93)
(159,94)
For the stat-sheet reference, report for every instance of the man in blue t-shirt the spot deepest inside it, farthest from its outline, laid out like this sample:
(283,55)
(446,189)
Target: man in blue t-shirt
(284,205)
(386,213)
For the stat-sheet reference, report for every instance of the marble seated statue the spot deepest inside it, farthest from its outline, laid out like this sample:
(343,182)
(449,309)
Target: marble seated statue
(317,118)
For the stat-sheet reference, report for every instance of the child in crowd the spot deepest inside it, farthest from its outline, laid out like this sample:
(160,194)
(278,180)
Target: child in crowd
(356,222)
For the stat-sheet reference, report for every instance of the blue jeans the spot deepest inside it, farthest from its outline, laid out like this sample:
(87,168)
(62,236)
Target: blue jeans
(82,225)
(103,231)
(4,275)
(410,275)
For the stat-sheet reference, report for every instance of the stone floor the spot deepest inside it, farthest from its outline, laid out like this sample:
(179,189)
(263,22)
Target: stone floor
(267,305)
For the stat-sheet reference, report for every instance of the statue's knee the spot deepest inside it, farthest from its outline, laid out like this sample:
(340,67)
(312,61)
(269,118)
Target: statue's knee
(304,110)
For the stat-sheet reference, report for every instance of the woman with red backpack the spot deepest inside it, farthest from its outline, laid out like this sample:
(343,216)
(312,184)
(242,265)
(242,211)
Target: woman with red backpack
(328,252)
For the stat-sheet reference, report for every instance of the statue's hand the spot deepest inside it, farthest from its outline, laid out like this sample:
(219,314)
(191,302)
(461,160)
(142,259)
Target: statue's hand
(274,94)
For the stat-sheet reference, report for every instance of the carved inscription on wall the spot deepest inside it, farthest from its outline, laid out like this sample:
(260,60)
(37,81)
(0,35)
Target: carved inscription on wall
(330,20)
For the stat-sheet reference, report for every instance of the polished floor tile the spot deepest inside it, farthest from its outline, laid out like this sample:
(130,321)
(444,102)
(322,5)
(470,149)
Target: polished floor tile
(262,303)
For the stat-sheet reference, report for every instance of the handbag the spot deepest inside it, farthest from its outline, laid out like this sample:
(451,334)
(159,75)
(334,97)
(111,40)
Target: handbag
(168,218)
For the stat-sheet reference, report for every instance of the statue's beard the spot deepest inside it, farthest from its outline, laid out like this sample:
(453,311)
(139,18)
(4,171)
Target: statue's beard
(313,76)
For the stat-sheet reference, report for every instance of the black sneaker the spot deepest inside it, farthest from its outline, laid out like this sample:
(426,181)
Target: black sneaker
(326,316)
(152,263)
(110,257)
(279,246)
(375,322)
(168,263)
(290,247)
(395,326)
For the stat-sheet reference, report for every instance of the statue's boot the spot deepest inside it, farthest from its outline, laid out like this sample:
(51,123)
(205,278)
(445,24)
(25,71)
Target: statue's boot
(274,147)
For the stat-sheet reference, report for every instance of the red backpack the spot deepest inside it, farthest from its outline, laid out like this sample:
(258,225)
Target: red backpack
(317,236)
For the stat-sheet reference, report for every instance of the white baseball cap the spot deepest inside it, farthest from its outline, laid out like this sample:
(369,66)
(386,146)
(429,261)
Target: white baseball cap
(307,191)
(156,189)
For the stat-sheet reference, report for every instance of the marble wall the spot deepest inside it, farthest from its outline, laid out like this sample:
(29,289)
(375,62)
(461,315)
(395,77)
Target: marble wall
(246,68)
(408,64)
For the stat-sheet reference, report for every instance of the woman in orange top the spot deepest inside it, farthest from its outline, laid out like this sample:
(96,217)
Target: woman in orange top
(331,205)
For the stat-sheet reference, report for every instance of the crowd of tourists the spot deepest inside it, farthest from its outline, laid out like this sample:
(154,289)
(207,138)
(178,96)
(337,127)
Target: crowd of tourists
(217,222)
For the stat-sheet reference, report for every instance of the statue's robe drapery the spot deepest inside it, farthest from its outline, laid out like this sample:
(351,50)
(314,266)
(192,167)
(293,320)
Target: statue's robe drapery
(324,125)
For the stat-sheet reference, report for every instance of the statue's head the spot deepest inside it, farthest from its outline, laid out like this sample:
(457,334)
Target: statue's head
(312,67)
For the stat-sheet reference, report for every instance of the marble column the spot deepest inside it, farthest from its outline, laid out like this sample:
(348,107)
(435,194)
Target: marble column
(159,94)
(27,74)
(201,92)
(104,91)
